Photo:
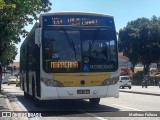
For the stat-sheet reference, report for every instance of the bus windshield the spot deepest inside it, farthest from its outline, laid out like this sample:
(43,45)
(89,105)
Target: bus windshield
(79,50)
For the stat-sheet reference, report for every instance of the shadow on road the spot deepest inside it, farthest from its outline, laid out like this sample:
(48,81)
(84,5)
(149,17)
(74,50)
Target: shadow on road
(63,108)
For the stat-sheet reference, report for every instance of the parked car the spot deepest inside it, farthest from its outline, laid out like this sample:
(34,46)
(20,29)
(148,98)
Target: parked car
(17,81)
(124,81)
(157,74)
(12,79)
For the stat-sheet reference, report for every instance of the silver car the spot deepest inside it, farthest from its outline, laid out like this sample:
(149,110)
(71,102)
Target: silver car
(124,81)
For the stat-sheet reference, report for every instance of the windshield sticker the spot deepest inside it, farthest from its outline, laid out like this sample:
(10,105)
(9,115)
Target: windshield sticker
(64,64)
(86,67)
(102,66)
(86,60)
(55,56)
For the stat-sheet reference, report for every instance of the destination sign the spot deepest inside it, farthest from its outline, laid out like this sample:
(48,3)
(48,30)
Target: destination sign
(64,64)
(77,20)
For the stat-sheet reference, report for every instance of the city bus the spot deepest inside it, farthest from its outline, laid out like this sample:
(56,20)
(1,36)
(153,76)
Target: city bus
(70,55)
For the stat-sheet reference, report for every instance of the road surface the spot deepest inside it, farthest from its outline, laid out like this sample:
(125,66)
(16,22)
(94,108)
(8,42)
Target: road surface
(128,106)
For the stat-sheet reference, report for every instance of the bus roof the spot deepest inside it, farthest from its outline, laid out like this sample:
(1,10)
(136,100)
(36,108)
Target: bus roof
(75,13)
(76,18)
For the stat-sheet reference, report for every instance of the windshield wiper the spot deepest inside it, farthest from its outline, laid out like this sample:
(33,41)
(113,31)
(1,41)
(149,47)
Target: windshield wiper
(71,43)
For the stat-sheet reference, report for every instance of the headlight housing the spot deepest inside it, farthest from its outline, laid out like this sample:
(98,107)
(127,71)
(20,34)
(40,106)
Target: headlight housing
(110,81)
(51,82)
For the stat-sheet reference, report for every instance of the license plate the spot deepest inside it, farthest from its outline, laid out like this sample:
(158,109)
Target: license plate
(83,91)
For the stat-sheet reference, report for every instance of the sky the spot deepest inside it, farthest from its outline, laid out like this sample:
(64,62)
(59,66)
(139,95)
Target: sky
(123,11)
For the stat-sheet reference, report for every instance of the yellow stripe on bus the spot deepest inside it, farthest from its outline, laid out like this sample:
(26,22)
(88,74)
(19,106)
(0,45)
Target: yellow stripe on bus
(75,79)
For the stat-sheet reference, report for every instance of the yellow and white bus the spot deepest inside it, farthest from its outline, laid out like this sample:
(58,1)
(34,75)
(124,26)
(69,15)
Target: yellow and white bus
(70,55)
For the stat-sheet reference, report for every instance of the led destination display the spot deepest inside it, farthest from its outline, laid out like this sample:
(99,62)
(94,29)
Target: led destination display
(76,20)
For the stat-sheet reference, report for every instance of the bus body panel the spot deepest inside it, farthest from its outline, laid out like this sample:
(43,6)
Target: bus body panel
(24,82)
(113,91)
(71,93)
(49,93)
(75,79)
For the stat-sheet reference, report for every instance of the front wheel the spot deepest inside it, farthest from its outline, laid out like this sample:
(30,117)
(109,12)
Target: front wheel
(94,101)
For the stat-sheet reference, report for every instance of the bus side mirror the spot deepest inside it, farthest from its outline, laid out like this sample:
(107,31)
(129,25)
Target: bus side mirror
(38,36)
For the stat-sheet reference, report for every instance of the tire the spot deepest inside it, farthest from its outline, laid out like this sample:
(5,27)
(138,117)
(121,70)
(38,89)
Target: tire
(37,102)
(94,101)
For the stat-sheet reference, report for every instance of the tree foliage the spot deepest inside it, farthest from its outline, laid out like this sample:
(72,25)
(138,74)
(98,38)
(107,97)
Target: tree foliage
(14,15)
(9,54)
(140,41)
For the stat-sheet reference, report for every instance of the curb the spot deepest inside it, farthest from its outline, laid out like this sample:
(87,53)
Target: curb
(140,93)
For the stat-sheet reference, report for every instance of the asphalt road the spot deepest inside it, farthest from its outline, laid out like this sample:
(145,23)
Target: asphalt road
(128,106)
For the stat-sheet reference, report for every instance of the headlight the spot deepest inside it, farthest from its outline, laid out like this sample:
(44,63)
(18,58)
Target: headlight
(51,82)
(110,81)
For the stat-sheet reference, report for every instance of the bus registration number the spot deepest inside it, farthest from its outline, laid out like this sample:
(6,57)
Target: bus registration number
(83,91)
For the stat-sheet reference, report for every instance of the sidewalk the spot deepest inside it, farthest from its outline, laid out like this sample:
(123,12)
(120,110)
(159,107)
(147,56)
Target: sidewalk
(4,106)
(150,90)
(11,105)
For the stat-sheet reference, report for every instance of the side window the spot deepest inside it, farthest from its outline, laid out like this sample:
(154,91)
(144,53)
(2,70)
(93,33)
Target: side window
(23,59)
(111,50)
(31,54)
(27,56)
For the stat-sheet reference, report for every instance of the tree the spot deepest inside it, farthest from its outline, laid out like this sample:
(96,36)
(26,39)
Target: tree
(127,44)
(14,15)
(9,54)
(140,41)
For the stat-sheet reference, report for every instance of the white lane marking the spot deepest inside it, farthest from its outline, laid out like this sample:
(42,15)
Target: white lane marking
(93,115)
(101,118)
(127,107)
